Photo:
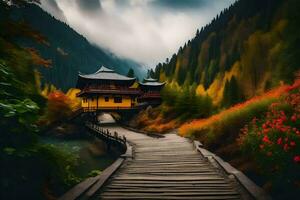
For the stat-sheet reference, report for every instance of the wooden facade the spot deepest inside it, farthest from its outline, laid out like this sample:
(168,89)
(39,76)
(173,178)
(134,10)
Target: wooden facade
(150,92)
(107,90)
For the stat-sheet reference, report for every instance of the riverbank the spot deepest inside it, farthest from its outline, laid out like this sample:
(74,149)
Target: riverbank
(90,155)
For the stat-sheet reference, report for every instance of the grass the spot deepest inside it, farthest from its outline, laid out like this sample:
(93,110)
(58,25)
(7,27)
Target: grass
(225,126)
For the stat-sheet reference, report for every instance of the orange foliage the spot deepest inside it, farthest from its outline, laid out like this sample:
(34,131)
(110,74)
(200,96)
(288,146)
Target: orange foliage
(200,124)
(151,120)
(37,59)
(160,127)
(58,106)
(58,96)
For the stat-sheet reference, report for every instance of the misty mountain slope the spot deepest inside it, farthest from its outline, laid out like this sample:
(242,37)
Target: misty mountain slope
(69,51)
(247,49)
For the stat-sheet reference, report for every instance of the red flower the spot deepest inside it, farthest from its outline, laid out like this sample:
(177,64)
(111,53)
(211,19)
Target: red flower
(261,146)
(266,139)
(294,118)
(286,147)
(292,143)
(297,159)
(279,141)
(269,153)
(265,131)
(264,126)
(294,129)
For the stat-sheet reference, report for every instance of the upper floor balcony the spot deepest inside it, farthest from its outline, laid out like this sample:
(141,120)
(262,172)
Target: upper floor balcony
(109,89)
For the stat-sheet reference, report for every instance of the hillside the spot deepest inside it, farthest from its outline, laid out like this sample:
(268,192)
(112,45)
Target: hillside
(246,50)
(68,51)
(235,88)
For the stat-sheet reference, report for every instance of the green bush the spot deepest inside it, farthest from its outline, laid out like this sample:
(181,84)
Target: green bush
(29,170)
(274,140)
(226,128)
(184,104)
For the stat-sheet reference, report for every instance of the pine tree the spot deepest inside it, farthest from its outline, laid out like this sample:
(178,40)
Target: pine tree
(130,73)
(231,94)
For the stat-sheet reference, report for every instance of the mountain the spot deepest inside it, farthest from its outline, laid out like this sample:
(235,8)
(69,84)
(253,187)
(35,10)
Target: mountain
(249,48)
(68,51)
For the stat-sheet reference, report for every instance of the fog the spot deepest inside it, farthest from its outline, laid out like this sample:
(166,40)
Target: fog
(147,31)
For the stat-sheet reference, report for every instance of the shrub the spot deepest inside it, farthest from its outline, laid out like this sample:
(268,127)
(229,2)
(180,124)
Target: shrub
(224,126)
(274,139)
(185,104)
(28,168)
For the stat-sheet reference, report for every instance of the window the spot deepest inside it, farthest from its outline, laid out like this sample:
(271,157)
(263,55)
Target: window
(106,99)
(84,100)
(118,99)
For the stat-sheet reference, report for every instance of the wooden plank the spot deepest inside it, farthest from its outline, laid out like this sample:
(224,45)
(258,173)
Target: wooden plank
(203,182)
(254,190)
(173,193)
(171,187)
(79,189)
(172,197)
(171,190)
(103,178)
(164,168)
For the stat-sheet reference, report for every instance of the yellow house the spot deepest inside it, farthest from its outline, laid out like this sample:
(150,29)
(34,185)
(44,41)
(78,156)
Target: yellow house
(106,90)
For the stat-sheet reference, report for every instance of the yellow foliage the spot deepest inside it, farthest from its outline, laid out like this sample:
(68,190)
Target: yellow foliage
(280,26)
(74,100)
(262,53)
(47,90)
(174,85)
(200,90)
(204,125)
(215,90)
(235,71)
(37,78)
(153,120)
(135,85)
(162,76)
(178,65)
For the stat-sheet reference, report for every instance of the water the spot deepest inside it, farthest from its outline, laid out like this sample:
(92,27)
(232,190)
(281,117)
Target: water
(91,153)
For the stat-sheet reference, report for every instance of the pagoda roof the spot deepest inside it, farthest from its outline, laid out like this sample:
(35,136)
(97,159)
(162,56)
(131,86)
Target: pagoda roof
(105,74)
(150,80)
(152,84)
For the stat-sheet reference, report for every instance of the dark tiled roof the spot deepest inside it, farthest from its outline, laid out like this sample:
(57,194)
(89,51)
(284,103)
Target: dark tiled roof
(150,80)
(105,74)
(152,84)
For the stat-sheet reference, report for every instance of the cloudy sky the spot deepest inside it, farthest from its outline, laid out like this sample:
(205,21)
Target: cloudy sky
(147,31)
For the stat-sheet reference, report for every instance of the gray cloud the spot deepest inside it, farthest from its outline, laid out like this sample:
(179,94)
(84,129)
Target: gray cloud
(89,5)
(146,31)
(180,4)
(52,7)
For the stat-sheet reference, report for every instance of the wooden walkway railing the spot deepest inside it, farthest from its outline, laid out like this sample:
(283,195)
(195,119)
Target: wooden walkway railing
(87,188)
(107,136)
(170,167)
(113,108)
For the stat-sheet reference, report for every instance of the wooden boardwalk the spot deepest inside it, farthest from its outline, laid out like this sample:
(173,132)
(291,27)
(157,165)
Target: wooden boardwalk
(167,168)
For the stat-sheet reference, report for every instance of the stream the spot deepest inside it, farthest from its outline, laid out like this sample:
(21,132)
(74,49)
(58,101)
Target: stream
(91,153)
